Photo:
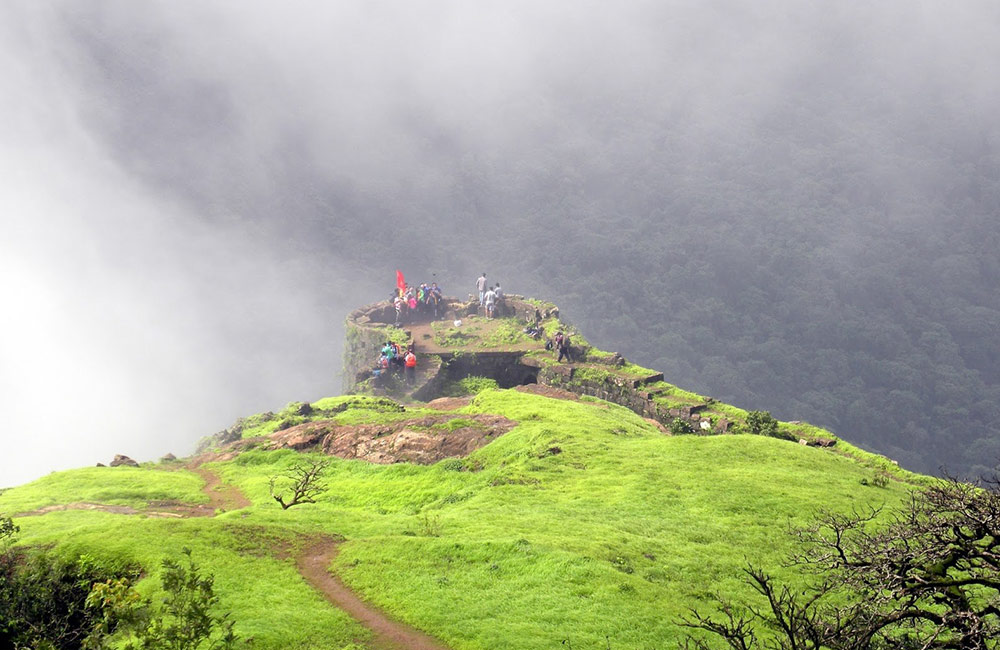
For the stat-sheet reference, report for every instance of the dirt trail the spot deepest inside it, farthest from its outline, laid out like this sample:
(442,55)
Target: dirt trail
(221,495)
(389,634)
(162,510)
(312,564)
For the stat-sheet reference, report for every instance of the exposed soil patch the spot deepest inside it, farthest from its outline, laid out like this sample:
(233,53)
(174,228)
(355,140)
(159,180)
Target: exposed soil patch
(449,403)
(389,634)
(221,495)
(658,425)
(160,509)
(422,441)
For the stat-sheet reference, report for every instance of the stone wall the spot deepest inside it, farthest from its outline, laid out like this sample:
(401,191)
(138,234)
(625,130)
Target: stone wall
(633,394)
(363,338)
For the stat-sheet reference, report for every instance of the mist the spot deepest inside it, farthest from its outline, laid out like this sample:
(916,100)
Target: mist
(196,195)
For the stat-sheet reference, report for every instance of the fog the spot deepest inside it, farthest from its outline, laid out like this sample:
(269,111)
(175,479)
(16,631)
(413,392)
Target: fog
(196,194)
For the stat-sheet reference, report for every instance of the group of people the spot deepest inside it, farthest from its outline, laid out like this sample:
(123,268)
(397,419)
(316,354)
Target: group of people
(409,301)
(489,297)
(393,360)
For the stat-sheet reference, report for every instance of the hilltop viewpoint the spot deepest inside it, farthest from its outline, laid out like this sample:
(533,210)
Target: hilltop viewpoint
(491,496)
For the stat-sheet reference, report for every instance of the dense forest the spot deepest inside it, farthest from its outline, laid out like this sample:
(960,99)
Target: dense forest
(785,207)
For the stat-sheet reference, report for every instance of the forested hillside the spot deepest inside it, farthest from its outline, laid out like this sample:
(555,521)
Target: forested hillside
(786,207)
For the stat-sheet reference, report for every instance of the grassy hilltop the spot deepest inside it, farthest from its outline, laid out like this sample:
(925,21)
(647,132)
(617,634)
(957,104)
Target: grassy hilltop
(584,523)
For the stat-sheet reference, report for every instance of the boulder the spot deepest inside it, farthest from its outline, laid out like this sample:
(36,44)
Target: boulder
(121,459)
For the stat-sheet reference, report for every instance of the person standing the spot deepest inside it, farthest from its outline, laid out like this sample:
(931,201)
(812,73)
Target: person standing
(411,366)
(498,292)
(397,302)
(564,348)
(489,302)
(481,287)
(435,297)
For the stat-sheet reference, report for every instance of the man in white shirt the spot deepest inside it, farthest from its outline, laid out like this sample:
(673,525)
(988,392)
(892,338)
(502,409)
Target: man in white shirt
(489,301)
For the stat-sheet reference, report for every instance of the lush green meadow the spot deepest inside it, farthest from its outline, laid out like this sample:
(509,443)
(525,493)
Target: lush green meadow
(584,523)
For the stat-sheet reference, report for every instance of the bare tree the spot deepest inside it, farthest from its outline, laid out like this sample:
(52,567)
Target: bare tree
(928,580)
(306,483)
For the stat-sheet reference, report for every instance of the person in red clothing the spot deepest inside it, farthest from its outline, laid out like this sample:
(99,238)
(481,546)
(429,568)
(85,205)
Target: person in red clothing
(411,366)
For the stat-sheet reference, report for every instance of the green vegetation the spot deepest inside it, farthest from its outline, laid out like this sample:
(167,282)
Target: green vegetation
(449,336)
(924,579)
(506,332)
(469,386)
(43,596)
(679,427)
(761,423)
(394,334)
(125,486)
(453,425)
(479,333)
(583,522)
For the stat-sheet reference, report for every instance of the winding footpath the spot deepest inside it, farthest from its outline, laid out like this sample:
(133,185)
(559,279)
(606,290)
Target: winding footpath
(388,634)
(312,563)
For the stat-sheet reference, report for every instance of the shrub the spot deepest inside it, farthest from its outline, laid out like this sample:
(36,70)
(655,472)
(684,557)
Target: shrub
(43,595)
(761,423)
(185,619)
(681,427)
(470,386)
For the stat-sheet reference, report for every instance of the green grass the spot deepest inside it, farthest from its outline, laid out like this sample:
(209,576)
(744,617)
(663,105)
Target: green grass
(479,333)
(583,522)
(124,486)
(469,386)
(393,333)
(449,336)
(506,332)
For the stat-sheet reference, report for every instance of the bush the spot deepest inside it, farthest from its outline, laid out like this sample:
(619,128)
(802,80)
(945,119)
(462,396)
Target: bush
(470,386)
(681,427)
(43,596)
(761,423)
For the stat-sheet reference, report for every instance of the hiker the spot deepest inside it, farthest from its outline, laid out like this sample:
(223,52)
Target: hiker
(556,342)
(397,356)
(411,367)
(397,302)
(434,297)
(381,367)
(481,287)
(564,349)
(499,298)
(489,302)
